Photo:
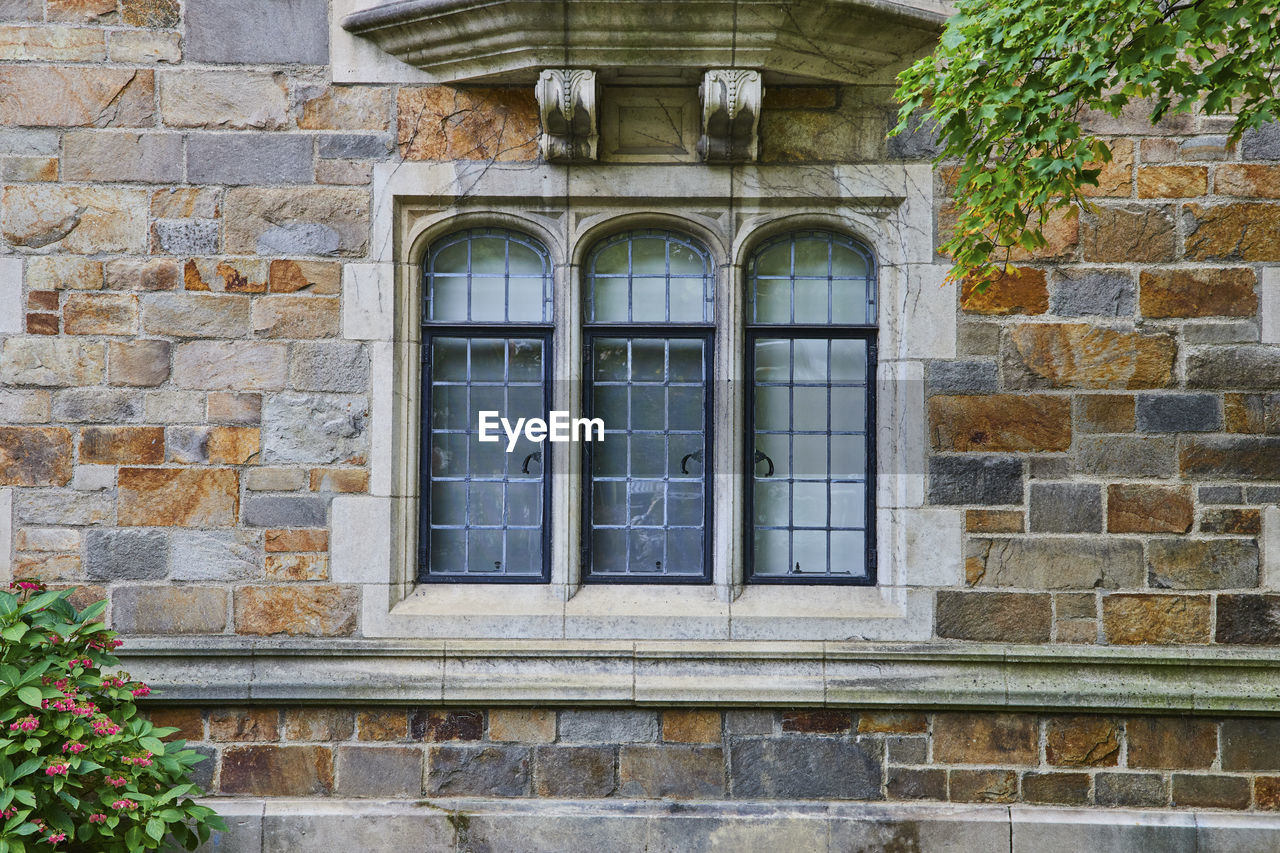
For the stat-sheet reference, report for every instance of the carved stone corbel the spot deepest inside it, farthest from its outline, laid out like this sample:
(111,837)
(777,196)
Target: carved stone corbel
(567,103)
(730,115)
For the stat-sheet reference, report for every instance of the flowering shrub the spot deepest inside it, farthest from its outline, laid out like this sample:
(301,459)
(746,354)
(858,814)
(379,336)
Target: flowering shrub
(79,771)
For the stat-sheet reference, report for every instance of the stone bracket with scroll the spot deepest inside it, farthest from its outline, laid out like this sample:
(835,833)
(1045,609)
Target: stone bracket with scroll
(567,104)
(731,101)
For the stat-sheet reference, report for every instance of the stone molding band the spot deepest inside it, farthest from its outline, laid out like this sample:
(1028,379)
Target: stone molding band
(1244,681)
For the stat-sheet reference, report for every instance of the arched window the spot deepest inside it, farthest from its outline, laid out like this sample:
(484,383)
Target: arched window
(648,333)
(811,351)
(486,332)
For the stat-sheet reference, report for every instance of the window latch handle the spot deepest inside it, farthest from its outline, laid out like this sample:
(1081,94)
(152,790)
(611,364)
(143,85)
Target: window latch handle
(537,454)
(684,463)
(761,456)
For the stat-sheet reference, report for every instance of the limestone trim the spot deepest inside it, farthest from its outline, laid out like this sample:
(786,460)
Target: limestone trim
(731,102)
(867,675)
(567,107)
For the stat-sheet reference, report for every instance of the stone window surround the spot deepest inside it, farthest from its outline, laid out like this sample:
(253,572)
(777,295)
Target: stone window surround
(888,207)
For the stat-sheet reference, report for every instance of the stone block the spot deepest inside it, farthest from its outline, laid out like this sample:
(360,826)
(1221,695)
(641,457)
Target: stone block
(1006,617)
(340,480)
(48,568)
(1065,789)
(47,539)
(1127,456)
(208,555)
(188,721)
(285,511)
(1246,231)
(1130,233)
(1065,508)
(348,108)
(230,365)
(315,428)
(311,611)
(43,324)
(983,786)
(76,219)
(245,31)
(1231,522)
(1237,368)
(1133,508)
(961,377)
(1134,790)
(1082,741)
(909,783)
(1000,423)
(690,726)
(1248,619)
(1230,458)
(156,610)
(254,725)
(1054,563)
(96,404)
(1179,413)
(113,555)
(173,407)
(228,407)
(249,158)
(186,236)
(314,277)
(993,521)
(892,722)
(443,725)
(304,540)
(804,769)
(1261,143)
(918,141)
(1024,292)
(1199,293)
(672,772)
(1077,355)
(1105,413)
(76,96)
(447,123)
(382,724)
(611,726)
(51,362)
(975,480)
(63,272)
(575,771)
(1172,181)
(1249,745)
(186,203)
(478,771)
(174,497)
(1210,791)
(35,456)
(1247,180)
(320,724)
(296,221)
(1171,743)
(745,723)
(985,738)
(297,567)
(1155,619)
(523,725)
(1266,792)
(1202,564)
(138,363)
(354,146)
(817,721)
(277,771)
(342,367)
(94,478)
(131,47)
(153,158)
(218,100)
(135,274)
(344,172)
(296,317)
(63,507)
(24,406)
(161,14)
(379,771)
(122,445)
(226,275)
(845,134)
(1092,293)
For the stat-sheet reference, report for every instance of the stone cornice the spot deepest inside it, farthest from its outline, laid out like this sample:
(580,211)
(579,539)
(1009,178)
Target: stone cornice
(844,41)
(221,670)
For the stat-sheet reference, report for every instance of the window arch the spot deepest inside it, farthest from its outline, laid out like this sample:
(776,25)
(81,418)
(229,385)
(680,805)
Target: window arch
(649,276)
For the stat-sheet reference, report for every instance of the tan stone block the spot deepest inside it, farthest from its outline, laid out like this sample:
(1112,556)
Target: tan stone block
(1172,743)
(1231,522)
(801,97)
(691,726)
(1116,177)
(138,363)
(169,609)
(892,722)
(135,274)
(1024,292)
(44,324)
(1106,413)
(230,365)
(1244,413)
(76,96)
(82,11)
(186,203)
(446,123)
(100,314)
(1061,235)
(229,407)
(1248,180)
(1198,293)
(522,725)
(1266,792)
(347,173)
(1077,631)
(54,362)
(35,456)
(28,169)
(52,44)
(196,315)
(113,445)
(80,220)
(277,771)
(234,445)
(226,275)
(296,317)
(275,479)
(982,786)
(1246,232)
(317,277)
(229,725)
(133,47)
(348,108)
(224,100)
(25,406)
(43,300)
(1082,741)
(1130,233)
(189,722)
(313,611)
(1148,509)
(1078,355)
(58,539)
(1000,423)
(48,568)
(1159,150)
(1172,181)
(994,520)
(280,220)
(319,724)
(176,497)
(297,567)
(64,273)
(159,14)
(1155,619)
(342,480)
(297,540)
(383,724)
(985,738)
(1006,617)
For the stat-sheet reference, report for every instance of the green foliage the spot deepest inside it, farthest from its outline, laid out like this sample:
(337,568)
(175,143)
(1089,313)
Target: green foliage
(79,770)
(1012,80)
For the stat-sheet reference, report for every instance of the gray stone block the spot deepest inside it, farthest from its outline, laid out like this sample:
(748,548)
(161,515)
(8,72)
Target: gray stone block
(575,771)
(379,771)
(1261,495)
(1236,368)
(1066,508)
(314,428)
(739,723)
(1202,564)
(1262,143)
(354,146)
(478,771)
(1059,562)
(202,773)
(249,158)
(975,480)
(124,554)
(672,771)
(804,768)
(961,377)
(317,366)
(21,10)
(1049,468)
(257,31)
(186,236)
(50,507)
(1107,293)
(1221,332)
(298,238)
(1127,456)
(608,726)
(97,405)
(907,749)
(96,155)
(285,511)
(355,830)
(27,142)
(1179,413)
(1222,494)
(187,445)
(207,555)
(1130,789)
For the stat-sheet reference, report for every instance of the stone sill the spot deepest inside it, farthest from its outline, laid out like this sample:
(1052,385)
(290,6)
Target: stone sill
(650,673)
(564,825)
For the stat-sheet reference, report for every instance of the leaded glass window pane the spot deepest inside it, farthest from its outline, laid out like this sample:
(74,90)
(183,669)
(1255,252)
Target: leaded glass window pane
(487,276)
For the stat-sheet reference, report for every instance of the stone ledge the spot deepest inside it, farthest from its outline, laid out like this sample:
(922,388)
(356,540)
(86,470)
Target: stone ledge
(743,674)
(568,825)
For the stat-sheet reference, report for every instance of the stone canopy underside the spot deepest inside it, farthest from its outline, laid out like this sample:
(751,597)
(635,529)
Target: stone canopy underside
(845,41)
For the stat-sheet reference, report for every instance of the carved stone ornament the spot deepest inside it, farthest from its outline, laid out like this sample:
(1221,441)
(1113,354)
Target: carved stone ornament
(567,102)
(730,115)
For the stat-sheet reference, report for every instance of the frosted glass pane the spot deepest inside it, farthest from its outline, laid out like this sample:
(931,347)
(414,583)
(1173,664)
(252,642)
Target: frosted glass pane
(488,458)
(848,505)
(526,360)
(684,504)
(448,550)
(848,360)
(646,550)
(809,551)
(773,301)
(609,300)
(489,256)
(848,548)
(449,454)
(525,261)
(488,299)
(810,504)
(848,408)
(684,551)
(649,256)
(648,360)
(848,456)
(611,405)
(811,360)
(649,300)
(773,361)
(484,552)
(812,257)
(448,359)
(486,398)
(486,504)
(648,455)
(609,457)
(778,449)
(524,552)
(488,359)
(847,263)
(811,301)
(611,359)
(770,503)
(449,298)
(849,302)
(773,407)
(527,305)
(611,261)
(648,407)
(451,259)
(810,455)
(685,261)
(448,503)
(449,409)
(776,260)
(771,552)
(647,503)
(686,300)
(685,360)
(685,407)
(809,408)
(609,551)
(524,502)
(609,502)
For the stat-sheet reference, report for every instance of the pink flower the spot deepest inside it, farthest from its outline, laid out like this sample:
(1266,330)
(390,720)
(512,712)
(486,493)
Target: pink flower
(27,724)
(74,748)
(56,837)
(124,804)
(26,586)
(9,812)
(143,760)
(142,690)
(116,781)
(57,769)
(97,817)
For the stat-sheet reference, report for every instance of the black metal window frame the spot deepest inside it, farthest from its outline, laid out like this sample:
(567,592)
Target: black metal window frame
(472,330)
(753,332)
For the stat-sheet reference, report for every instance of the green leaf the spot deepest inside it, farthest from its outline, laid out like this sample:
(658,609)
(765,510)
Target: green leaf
(31,696)
(155,828)
(152,745)
(14,633)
